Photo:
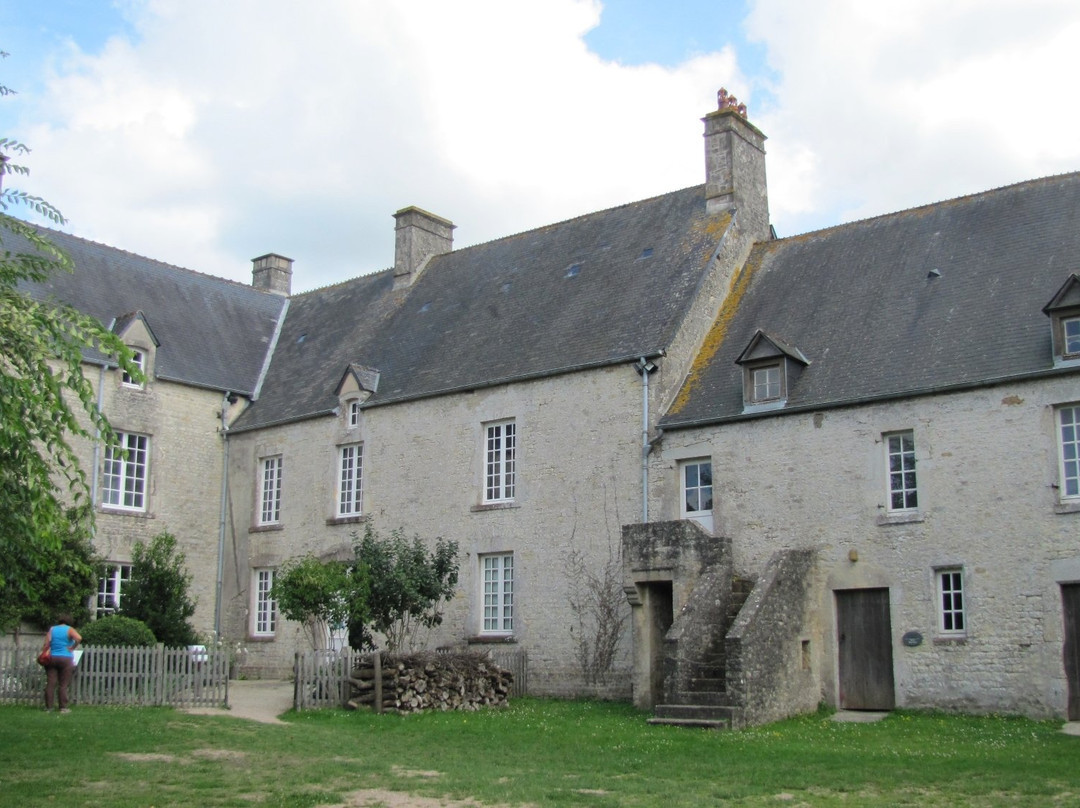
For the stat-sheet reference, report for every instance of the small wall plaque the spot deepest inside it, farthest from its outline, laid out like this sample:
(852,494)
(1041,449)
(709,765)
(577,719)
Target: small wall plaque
(912,639)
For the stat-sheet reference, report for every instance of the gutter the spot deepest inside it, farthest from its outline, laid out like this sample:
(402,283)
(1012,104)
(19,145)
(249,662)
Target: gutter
(861,400)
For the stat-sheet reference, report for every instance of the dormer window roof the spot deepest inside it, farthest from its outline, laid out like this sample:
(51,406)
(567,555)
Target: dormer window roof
(770,366)
(1064,313)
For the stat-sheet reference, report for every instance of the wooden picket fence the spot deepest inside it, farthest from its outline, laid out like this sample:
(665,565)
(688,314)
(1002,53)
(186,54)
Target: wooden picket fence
(176,677)
(322,677)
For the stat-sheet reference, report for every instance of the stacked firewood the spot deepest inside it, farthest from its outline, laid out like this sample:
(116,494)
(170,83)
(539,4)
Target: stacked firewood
(429,681)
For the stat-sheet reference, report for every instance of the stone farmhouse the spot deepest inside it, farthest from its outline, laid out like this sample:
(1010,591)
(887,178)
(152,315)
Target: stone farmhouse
(837,467)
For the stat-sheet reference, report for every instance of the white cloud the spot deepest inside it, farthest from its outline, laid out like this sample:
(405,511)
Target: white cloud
(886,105)
(232,129)
(228,130)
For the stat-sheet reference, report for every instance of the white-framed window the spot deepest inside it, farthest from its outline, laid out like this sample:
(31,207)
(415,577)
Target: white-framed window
(498,573)
(697,491)
(950,590)
(500,460)
(1070,328)
(139,359)
(766,383)
(1069,447)
(270,494)
(354,414)
(265,607)
(350,479)
(125,472)
(900,453)
(111,580)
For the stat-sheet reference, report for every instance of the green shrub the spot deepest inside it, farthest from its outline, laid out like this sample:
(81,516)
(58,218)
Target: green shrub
(117,630)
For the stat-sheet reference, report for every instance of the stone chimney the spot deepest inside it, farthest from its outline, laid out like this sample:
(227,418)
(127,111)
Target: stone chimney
(272,273)
(735,165)
(418,235)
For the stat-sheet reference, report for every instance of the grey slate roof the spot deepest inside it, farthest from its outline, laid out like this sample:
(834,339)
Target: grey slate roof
(863,305)
(599,289)
(212,332)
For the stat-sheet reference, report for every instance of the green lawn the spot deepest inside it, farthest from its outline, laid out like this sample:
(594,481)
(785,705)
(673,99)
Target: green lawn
(536,753)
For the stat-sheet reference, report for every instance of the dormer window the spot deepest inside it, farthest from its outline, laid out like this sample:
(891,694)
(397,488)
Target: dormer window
(770,368)
(1070,330)
(138,358)
(1064,313)
(766,382)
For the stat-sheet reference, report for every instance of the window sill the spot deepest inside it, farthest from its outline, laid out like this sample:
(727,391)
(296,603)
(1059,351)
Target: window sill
(261,638)
(492,639)
(266,528)
(112,511)
(1070,506)
(958,640)
(899,519)
(348,520)
(494,506)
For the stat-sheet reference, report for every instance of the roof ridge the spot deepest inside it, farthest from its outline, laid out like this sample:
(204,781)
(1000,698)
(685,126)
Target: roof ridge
(157,261)
(926,205)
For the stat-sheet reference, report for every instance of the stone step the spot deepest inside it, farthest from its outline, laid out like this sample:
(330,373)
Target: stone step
(693,723)
(709,684)
(712,698)
(693,715)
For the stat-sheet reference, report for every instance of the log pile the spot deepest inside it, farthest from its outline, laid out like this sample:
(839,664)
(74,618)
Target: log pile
(428,681)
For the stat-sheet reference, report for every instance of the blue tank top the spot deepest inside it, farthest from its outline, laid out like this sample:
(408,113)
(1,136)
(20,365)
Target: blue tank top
(59,642)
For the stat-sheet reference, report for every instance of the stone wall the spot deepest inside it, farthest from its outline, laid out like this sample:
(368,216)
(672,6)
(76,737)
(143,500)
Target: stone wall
(184,477)
(987,464)
(768,648)
(578,481)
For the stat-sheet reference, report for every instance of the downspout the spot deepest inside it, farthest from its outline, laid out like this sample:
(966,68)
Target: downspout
(229,398)
(644,367)
(97,440)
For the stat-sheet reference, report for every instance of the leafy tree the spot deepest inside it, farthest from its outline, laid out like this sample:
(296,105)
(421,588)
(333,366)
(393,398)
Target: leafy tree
(157,592)
(407,586)
(42,391)
(118,630)
(320,595)
(62,583)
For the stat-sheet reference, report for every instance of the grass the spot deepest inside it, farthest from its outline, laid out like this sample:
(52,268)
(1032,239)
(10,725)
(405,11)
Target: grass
(537,753)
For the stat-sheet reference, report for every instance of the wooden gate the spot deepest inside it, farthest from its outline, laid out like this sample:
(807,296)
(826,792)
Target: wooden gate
(1070,607)
(864,640)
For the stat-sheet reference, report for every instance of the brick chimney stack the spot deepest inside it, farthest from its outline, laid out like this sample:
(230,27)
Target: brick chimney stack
(735,165)
(418,236)
(272,273)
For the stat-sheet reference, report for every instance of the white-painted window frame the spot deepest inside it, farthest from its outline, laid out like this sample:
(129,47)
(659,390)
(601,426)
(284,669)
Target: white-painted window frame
(766,383)
(138,357)
(901,478)
(1068,441)
(270,474)
(500,461)
(126,472)
(497,577)
(263,608)
(111,579)
(696,495)
(350,479)
(952,609)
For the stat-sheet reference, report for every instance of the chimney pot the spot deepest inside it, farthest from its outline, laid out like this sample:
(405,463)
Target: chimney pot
(272,273)
(418,236)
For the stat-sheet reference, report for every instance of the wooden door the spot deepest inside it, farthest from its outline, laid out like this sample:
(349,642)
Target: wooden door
(864,640)
(1070,607)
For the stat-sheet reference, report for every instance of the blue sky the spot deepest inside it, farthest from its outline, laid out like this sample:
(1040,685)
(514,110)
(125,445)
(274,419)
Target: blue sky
(205,133)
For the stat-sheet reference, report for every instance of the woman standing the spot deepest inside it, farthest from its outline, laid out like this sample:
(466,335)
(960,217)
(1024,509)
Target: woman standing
(60,642)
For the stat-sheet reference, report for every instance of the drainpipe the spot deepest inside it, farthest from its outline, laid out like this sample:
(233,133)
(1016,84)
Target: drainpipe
(644,368)
(97,439)
(230,398)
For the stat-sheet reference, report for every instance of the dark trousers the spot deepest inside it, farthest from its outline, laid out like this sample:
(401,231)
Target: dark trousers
(58,671)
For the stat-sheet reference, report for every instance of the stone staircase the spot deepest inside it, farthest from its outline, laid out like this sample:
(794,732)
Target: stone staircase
(697,695)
